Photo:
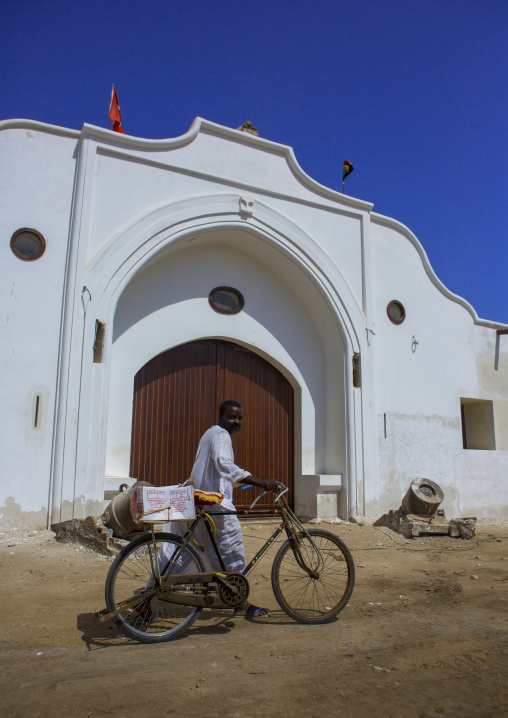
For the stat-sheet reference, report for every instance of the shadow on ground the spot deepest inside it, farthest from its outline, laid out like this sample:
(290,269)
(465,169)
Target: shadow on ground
(97,635)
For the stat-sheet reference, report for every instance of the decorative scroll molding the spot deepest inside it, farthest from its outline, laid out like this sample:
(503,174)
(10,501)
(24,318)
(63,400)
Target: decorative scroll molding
(246,206)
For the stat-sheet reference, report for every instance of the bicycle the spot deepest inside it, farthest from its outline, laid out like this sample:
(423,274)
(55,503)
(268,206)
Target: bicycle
(157,585)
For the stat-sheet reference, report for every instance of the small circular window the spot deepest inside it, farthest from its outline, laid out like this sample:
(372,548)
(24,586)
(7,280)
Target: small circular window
(28,244)
(396,312)
(226,300)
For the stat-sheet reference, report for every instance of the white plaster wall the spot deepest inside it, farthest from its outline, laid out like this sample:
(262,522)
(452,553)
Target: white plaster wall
(123,184)
(36,191)
(167,304)
(128,185)
(418,386)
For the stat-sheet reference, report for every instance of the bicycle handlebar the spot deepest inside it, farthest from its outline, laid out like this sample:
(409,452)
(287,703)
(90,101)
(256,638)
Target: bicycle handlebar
(251,486)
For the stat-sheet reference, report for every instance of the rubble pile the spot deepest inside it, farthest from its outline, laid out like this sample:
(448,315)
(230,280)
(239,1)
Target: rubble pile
(90,533)
(98,533)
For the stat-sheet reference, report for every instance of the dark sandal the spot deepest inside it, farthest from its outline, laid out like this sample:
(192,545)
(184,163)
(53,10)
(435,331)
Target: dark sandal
(252,612)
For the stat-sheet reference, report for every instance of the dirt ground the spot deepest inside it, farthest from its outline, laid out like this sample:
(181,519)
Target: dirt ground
(425,634)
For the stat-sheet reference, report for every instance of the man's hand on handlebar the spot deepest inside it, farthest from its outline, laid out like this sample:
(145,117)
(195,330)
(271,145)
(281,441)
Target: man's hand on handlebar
(272,485)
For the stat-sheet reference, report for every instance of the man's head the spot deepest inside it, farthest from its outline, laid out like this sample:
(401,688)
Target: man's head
(230,416)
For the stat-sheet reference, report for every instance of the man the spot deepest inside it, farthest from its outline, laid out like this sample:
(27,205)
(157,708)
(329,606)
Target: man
(214,470)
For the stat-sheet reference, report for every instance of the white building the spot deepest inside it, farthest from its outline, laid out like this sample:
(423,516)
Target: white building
(124,240)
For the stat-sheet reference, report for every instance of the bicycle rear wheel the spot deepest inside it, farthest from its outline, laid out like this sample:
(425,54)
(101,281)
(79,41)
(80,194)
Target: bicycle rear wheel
(131,574)
(314,582)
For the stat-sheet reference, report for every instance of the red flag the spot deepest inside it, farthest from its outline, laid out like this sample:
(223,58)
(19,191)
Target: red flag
(114,113)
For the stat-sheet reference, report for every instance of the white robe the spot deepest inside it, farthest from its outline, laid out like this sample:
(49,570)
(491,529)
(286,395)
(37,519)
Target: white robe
(214,470)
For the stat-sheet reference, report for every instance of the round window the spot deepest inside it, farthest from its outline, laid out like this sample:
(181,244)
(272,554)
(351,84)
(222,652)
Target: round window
(28,244)
(396,312)
(226,300)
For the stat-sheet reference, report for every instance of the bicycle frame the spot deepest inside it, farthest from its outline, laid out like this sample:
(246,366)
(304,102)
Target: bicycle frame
(202,517)
(288,521)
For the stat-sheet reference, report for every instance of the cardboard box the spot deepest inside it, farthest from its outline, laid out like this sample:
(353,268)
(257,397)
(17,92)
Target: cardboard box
(163,503)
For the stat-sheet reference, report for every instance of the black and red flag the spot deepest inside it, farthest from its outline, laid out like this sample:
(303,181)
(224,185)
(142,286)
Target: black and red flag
(347,168)
(114,113)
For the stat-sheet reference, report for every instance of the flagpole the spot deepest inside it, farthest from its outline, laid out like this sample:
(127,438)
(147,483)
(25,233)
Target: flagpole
(109,118)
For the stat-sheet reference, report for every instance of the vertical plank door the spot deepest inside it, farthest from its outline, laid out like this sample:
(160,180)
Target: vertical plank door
(176,398)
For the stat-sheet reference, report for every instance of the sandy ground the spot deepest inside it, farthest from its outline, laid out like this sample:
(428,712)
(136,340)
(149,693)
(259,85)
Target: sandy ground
(425,634)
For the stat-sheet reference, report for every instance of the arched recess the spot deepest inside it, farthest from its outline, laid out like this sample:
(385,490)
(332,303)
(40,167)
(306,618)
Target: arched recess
(176,398)
(284,320)
(329,435)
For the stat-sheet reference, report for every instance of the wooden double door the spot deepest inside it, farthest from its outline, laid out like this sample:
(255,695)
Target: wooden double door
(176,399)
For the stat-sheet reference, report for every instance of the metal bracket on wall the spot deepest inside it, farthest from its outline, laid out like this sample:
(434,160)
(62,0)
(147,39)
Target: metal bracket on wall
(98,345)
(357,377)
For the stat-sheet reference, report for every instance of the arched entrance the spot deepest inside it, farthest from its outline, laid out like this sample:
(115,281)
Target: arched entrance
(176,398)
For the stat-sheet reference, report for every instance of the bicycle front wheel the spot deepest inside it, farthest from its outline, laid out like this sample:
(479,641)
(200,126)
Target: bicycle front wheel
(132,573)
(313,581)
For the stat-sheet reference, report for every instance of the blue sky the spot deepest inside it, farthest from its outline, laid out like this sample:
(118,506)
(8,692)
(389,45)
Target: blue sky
(412,92)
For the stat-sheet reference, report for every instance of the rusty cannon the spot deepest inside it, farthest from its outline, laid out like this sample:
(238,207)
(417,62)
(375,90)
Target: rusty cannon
(419,514)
